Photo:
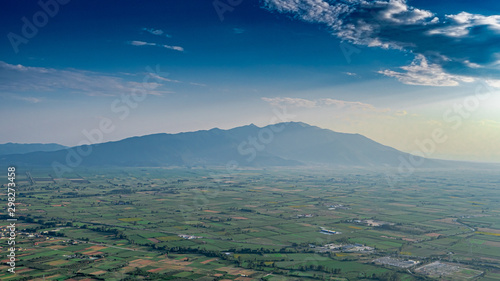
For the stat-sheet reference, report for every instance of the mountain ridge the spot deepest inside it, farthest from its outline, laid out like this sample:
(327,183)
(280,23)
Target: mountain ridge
(22,148)
(282,144)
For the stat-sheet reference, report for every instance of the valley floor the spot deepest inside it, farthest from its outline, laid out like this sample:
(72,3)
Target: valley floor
(255,224)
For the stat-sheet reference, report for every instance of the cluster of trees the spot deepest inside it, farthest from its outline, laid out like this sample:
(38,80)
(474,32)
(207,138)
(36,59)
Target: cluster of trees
(319,267)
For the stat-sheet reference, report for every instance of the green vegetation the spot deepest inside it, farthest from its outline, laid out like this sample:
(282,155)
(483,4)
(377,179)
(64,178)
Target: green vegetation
(255,224)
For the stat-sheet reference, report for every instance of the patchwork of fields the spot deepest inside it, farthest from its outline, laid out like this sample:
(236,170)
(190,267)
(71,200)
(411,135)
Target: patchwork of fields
(256,224)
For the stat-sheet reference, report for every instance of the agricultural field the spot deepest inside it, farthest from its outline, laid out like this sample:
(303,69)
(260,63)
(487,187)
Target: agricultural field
(254,224)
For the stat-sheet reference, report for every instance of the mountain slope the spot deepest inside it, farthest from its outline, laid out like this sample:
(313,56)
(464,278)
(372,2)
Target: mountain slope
(285,144)
(315,145)
(21,148)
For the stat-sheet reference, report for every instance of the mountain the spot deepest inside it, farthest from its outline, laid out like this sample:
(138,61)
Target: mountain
(21,148)
(284,144)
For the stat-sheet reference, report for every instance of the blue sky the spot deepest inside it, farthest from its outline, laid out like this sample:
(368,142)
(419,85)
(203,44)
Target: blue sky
(392,70)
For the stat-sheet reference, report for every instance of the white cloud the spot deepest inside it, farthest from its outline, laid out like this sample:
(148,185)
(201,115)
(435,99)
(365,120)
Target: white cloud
(297,102)
(142,43)
(461,24)
(397,25)
(493,83)
(366,29)
(346,104)
(21,79)
(157,32)
(28,99)
(19,67)
(397,11)
(312,10)
(176,48)
(326,102)
(161,78)
(471,64)
(420,72)
(31,99)
(197,84)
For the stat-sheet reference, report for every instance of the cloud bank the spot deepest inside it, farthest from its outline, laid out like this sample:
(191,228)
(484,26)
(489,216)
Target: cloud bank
(459,47)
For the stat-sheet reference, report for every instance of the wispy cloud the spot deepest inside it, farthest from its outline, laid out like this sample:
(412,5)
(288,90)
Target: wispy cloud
(238,30)
(27,99)
(175,48)
(143,43)
(22,81)
(158,77)
(157,32)
(297,102)
(461,43)
(493,83)
(197,84)
(461,25)
(420,72)
(327,102)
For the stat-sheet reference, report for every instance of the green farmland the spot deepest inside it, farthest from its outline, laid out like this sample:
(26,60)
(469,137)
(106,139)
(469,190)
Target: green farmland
(255,224)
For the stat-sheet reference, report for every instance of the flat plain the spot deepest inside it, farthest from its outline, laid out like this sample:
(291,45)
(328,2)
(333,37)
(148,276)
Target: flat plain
(256,224)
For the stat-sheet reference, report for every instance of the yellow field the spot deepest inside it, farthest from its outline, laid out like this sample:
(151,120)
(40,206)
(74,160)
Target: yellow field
(129,219)
(488,233)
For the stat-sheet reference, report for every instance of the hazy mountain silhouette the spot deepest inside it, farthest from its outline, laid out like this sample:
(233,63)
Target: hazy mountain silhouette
(21,148)
(284,144)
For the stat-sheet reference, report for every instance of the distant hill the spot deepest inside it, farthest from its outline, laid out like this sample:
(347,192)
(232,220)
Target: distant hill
(21,148)
(284,144)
